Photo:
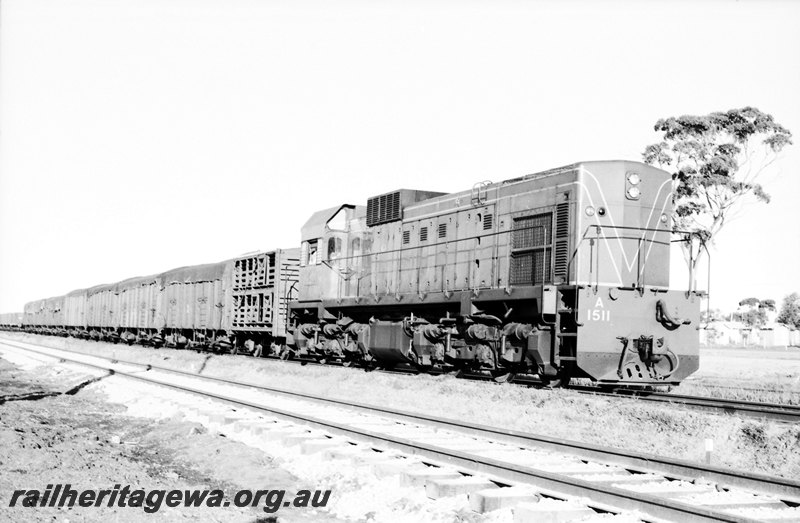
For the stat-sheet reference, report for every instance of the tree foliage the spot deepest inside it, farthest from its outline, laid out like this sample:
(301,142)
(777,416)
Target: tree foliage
(790,310)
(715,161)
(752,302)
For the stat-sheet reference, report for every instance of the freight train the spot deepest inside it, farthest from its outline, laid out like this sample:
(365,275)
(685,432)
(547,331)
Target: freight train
(560,274)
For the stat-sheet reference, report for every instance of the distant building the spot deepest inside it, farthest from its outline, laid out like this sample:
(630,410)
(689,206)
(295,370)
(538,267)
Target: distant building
(737,334)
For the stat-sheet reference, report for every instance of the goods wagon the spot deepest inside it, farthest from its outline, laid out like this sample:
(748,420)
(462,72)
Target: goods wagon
(101,310)
(562,274)
(45,316)
(140,313)
(75,311)
(11,320)
(32,313)
(262,287)
(197,300)
(218,305)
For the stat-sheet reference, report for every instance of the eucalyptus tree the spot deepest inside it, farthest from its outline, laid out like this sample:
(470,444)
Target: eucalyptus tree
(716,161)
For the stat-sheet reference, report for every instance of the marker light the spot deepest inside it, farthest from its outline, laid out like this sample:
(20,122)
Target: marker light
(590,211)
(634,192)
(664,218)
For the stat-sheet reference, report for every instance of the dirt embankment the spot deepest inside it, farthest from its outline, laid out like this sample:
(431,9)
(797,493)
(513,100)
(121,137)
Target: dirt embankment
(83,441)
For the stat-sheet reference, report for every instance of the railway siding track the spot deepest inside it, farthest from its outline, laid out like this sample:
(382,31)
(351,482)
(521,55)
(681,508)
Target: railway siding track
(480,460)
(771,411)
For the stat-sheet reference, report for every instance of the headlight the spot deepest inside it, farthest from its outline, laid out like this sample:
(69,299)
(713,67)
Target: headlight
(634,192)
(590,211)
(634,179)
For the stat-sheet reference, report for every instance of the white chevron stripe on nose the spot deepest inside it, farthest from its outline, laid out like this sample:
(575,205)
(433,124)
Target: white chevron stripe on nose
(628,263)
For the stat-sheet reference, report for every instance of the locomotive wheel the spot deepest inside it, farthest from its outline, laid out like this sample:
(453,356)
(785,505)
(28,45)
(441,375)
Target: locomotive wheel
(561,379)
(422,369)
(555,383)
(503,375)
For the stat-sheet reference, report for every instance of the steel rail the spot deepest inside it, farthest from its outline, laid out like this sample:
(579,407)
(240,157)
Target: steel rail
(649,504)
(753,409)
(772,411)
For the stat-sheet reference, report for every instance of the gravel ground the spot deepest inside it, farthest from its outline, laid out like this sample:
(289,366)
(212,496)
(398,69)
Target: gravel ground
(743,444)
(84,441)
(120,431)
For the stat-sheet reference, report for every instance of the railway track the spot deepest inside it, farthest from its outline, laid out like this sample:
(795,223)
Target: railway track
(764,411)
(772,411)
(752,409)
(451,455)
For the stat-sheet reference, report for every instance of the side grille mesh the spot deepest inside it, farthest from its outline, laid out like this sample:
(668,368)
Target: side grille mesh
(561,262)
(562,220)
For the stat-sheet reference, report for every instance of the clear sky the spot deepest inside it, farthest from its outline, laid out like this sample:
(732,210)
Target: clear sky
(141,135)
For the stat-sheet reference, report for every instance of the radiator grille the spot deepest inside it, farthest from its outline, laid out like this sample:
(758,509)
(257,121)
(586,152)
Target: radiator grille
(532,231)
(487,222)
(442,230)
(530,268)
(406,237)
(383,209)
(532,250)
(423,234)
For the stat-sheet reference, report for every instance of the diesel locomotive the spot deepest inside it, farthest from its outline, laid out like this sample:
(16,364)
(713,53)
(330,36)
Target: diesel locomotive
(560,274)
